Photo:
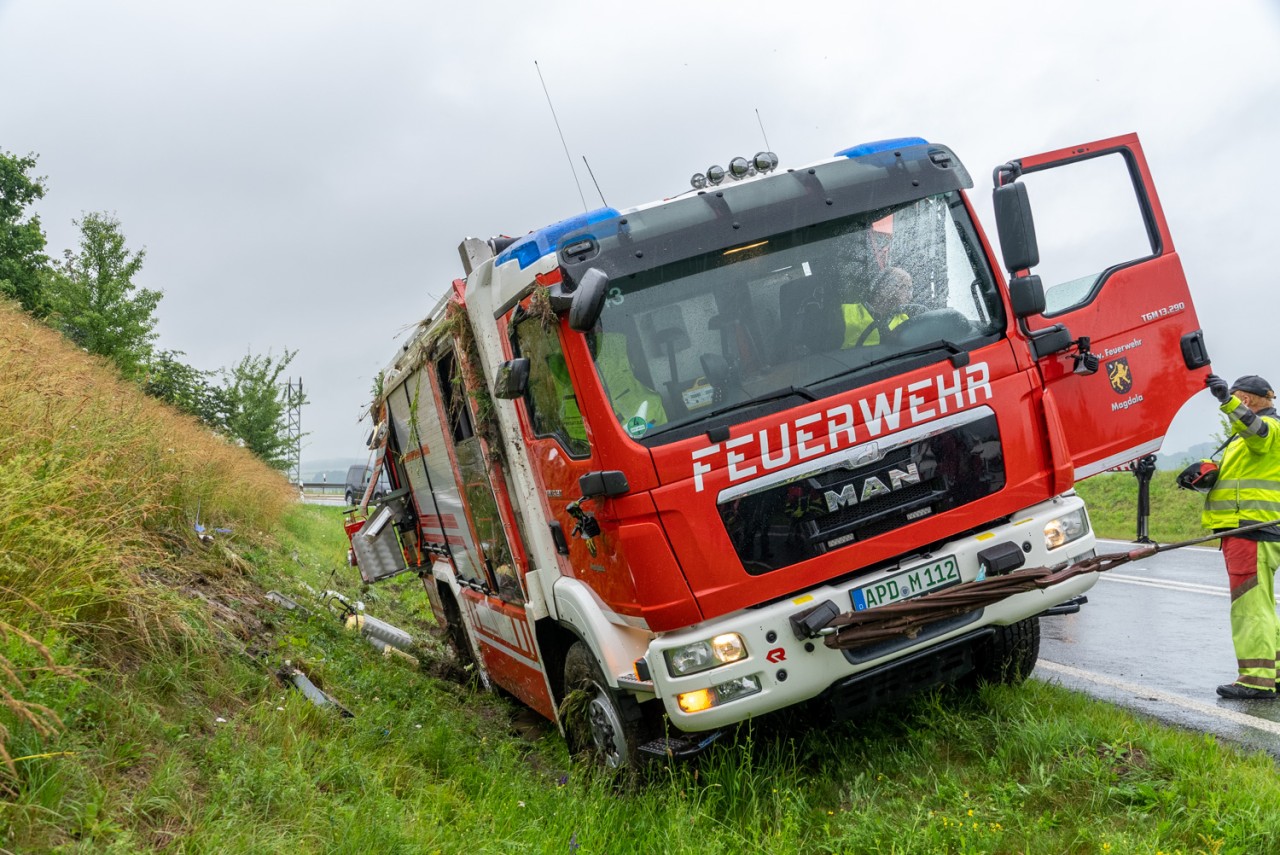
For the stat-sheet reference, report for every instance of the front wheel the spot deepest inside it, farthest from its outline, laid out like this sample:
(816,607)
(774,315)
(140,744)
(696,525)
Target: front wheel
(1009,655)
(603,723)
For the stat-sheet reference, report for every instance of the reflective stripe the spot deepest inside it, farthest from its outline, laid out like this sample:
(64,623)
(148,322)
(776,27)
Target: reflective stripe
(1255,663)
(1243,506)
(1244,588)
(1258,505)
(1247,484)
(1257,682)
(1248,487)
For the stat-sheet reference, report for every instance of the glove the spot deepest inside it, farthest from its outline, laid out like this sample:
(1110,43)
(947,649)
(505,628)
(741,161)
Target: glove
(1218,388)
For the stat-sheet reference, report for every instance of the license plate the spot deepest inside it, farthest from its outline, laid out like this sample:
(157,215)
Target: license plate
(942,573)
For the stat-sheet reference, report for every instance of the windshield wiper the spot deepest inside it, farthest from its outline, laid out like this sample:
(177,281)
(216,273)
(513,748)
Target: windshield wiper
(950,347)
(775,395)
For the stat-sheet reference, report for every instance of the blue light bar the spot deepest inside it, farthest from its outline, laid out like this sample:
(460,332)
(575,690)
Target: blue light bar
(880,145)
(546,240)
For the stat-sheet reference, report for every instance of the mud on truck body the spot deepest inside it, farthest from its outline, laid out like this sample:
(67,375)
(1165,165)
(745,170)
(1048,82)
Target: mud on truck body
(644,458)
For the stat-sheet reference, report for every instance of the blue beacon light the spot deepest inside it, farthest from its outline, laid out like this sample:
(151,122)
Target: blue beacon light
(880,145)
(545,240)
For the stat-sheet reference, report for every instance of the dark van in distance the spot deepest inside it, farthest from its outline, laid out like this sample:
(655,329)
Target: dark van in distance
(358,479)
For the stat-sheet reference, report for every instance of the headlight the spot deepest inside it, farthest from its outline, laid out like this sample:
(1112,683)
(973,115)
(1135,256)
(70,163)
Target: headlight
(704,655)
(705,699)
(1064,529)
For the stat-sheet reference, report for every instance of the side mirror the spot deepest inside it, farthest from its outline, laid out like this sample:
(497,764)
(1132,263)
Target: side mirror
(588,300)
(1015,226)
(512,379)
(1026,293)
(608,484)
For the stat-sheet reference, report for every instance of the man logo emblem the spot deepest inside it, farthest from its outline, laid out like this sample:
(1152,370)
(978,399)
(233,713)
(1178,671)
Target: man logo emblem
(1119,375)
(871,487)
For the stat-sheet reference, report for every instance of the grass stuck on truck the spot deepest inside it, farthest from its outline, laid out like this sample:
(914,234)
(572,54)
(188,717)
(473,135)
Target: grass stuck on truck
(648,462)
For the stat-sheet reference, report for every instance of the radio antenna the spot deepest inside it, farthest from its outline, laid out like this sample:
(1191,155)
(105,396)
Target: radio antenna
(562,142)
(762,133)
(593,181)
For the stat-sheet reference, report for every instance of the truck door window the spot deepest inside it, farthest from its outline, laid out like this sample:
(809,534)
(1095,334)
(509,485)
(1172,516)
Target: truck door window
(473,471)
(1089,219)
(551,399)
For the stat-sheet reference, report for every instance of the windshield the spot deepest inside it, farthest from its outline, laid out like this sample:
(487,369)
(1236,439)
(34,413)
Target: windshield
(696,339)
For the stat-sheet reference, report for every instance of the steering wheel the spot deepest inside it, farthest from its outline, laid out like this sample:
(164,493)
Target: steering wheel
(882,324)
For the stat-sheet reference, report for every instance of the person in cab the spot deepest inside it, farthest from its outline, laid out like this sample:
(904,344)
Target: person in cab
(865,323)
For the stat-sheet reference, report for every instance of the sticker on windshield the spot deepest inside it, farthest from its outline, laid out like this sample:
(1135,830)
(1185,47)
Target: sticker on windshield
(637,427)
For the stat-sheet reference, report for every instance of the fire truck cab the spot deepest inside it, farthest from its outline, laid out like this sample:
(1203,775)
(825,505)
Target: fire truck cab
(641,459)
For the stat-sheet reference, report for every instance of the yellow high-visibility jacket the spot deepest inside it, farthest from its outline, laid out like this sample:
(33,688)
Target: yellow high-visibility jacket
(856,319)
(1248,485)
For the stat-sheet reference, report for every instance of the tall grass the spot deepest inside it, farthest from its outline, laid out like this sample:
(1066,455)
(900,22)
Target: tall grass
(100,487)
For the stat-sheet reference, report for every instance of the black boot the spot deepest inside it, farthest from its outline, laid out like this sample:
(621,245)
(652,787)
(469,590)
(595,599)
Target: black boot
(1238,692)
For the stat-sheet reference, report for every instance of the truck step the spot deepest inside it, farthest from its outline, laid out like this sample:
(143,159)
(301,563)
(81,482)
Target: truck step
(679,747)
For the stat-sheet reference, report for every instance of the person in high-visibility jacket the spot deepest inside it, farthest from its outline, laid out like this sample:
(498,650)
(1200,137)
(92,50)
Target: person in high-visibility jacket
(1247,491)
(864,323)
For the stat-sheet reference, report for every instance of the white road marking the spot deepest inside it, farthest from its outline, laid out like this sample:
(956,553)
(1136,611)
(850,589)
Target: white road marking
(1128,545)
(1192,587)
(1171,585)
(1210,710)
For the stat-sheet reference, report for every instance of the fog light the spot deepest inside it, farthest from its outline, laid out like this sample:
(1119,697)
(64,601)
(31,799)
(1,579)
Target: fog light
(705,699)
(696,701)
(1064,529)
(735,689)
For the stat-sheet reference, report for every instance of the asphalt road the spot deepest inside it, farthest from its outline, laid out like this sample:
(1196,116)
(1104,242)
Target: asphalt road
(1155,638)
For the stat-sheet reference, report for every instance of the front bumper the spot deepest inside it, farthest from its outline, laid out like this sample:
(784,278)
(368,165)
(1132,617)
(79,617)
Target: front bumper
(791,670)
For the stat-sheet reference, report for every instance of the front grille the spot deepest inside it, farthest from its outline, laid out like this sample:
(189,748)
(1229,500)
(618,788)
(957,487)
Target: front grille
(809,515)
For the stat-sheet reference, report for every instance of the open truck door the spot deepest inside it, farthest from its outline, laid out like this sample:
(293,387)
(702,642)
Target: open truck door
(1102,299)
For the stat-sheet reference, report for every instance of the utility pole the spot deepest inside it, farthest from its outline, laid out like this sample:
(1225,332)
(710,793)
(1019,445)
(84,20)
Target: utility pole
(293,423)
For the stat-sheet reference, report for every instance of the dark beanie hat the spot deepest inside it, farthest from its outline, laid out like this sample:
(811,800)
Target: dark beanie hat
(1254,385)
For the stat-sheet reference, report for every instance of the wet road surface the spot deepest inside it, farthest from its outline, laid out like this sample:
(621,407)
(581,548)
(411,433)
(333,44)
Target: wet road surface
(1155,638)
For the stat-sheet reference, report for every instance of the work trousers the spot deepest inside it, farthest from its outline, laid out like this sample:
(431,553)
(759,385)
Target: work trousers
(1255,628)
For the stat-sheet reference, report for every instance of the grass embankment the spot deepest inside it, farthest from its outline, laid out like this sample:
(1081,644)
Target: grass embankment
(162,725)
(1113,507)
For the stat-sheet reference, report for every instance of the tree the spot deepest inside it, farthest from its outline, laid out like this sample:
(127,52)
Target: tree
(189,389)
(22,258)
(256,407)
(94,301)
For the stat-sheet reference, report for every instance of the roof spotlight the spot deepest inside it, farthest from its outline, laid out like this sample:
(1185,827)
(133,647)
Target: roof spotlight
(715,174)
(698,181)
(738,168)
(765,161)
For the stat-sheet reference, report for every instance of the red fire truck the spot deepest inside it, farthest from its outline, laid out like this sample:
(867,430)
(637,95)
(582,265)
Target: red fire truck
(643,459)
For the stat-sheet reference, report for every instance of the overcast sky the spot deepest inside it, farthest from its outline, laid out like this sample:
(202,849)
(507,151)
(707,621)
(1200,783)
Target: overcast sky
(301,173)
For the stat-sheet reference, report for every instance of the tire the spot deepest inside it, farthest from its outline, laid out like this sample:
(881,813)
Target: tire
(1009,656)
(603,724)
(350,500)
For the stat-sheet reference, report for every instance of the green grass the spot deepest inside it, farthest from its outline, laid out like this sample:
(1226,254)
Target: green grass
(141,708)
(429,765)
(1113,507)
